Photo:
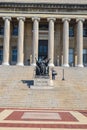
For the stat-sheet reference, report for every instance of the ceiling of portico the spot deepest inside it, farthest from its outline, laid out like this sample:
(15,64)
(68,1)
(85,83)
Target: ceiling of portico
(47,1)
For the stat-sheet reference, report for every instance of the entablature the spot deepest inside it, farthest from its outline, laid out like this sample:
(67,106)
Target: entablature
(49,7)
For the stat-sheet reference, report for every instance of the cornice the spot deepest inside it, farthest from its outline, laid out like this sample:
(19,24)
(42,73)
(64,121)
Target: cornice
(43,5)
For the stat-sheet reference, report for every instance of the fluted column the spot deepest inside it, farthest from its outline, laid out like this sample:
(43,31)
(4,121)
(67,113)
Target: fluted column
(35,39)
(6,44)
(20,54)
(80,42)
(51,41)
(65,42)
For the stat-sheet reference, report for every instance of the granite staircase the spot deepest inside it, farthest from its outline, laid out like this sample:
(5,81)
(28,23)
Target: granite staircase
(16,91)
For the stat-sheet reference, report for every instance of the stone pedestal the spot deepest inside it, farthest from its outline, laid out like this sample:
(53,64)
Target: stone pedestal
(42,82)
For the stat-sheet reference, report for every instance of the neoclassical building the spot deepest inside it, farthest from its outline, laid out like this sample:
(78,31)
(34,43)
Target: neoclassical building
(43,28)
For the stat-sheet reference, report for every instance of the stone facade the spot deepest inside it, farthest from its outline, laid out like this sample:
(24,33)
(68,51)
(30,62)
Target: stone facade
(60,29)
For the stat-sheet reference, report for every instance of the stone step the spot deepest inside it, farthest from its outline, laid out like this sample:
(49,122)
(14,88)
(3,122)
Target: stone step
(68,94)
(41,87)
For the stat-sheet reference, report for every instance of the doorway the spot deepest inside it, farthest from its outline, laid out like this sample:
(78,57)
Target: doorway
(42,49)
(85,57)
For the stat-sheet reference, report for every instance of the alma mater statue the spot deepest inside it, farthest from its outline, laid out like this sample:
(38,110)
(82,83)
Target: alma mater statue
(42,67)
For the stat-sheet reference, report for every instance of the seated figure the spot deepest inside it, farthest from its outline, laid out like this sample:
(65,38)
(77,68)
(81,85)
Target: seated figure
(42,67)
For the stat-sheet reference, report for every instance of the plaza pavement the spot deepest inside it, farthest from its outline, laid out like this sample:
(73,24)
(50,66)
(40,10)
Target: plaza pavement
(42,119)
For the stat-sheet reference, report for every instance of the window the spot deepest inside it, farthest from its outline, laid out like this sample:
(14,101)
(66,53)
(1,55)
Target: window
(15,29)
(1,29)
(85,31)
(43,26)
(1,53)
(85,57)
(71,31)
(14,54)
(71,56)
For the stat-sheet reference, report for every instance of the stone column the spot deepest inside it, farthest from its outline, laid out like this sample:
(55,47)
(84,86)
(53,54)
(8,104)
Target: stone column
(65,42)
(51,41)
(35,39)
(6,46)
(80,42)
(20,54)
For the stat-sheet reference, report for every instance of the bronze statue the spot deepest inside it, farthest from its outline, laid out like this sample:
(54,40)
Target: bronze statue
(42,67)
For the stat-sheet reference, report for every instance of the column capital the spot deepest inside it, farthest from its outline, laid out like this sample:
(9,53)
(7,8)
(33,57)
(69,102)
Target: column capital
(80,19)
(51,18)
(66,19)
(21,18)
(35,18)
(9,18)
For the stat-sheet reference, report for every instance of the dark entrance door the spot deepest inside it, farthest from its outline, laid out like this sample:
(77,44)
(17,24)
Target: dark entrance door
(85,57)
(42,49)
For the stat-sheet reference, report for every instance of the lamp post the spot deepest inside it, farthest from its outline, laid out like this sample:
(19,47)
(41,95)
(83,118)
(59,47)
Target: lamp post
(63,75)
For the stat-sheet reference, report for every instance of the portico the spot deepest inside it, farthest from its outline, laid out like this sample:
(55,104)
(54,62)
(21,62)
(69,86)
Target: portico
(60,37)
(50,37)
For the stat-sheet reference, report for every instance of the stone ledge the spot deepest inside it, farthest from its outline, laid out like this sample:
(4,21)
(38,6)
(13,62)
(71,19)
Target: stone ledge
(41,87)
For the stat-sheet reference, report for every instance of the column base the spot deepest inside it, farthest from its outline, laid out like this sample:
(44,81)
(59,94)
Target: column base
(65,65)
(5,63)
(51,65)
(20,64)
(33,64)
(80,65)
